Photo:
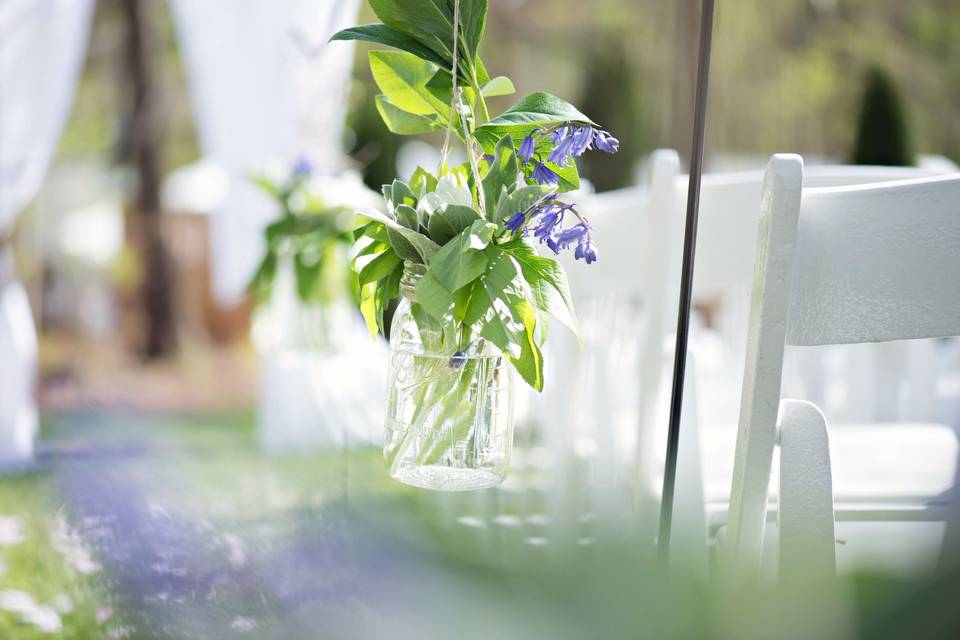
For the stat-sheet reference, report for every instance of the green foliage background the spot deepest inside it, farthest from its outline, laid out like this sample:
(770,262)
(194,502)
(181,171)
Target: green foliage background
(786,75)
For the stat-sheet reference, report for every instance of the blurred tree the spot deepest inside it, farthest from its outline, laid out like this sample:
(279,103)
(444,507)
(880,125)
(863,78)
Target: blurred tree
(610,97)
(144,135)
(882,135)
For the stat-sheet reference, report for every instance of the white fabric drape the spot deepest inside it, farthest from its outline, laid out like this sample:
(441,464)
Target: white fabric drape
(266,87)
(42,46)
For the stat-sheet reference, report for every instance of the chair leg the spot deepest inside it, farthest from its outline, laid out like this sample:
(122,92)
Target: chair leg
(807,538)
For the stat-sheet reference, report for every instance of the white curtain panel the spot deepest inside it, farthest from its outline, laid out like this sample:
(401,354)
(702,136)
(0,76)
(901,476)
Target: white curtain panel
(42,48)
(267,88)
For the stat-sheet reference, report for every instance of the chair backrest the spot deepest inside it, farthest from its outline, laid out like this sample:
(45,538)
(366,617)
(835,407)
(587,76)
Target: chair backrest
(877,263)
(838,265)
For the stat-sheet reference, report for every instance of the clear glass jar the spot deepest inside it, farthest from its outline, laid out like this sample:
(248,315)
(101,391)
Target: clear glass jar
(449,422)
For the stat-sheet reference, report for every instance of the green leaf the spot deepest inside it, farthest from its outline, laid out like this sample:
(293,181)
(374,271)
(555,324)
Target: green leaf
(407,216)
(424,20)
(382,34)
(441,87)
(400,194)
(502,175)
(473,19)
(569,176)
(548,284)
(271,188)
(462,260)
(499,86)
(422,182)
(380,267)
(423,246)
(403,77)
(430,22)
(387,290)
(450,220)
(306,273)
(529,364)
(493,295)
(529,113)
(262,280)
(403,123)
(434,297)
(519,200)
(368,303)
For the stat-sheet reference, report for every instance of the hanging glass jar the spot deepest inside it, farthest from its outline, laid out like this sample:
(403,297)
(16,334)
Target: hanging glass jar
(449,422)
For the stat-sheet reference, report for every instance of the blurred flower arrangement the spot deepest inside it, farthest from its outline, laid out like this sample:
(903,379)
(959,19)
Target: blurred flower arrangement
(461,245)
(304,270)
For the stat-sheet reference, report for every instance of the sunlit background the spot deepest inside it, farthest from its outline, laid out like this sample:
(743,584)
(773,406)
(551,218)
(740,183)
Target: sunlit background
(159,503)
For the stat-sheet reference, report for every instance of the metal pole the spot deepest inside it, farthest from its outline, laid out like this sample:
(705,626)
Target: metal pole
(686,279)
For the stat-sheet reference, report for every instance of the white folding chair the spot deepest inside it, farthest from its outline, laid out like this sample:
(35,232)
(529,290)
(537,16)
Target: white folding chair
(869,263)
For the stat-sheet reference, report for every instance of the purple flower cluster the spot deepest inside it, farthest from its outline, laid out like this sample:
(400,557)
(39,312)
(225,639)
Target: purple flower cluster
(569,141)
(546,224)
(302,169)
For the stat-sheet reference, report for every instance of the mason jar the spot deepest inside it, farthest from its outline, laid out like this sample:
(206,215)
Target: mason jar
(449,421)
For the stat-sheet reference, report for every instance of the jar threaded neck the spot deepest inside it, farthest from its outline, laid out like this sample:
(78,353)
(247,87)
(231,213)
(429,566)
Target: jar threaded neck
(412,273)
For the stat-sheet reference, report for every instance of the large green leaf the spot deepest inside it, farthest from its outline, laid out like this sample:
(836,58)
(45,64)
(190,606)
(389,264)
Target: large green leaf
(434,297)
(450,220)
(493,295)
(382,34)
(380,267)
(403,78)
(529,113)
(502,175)
(402,122)
(529,364)
(473,19)
(548,283)
(462,260)
(428,22)
(424,246)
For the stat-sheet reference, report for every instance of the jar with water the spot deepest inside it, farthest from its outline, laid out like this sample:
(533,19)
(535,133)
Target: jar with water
(449,422)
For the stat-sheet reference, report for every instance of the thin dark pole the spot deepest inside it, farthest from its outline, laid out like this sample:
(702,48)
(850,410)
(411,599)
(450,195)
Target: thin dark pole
(686,279)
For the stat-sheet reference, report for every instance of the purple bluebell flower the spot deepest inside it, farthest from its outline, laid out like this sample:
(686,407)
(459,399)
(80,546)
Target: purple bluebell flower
(589,252)
(545,175)
(516,221)
(553,246)
(564,149)
(576,233)
(458,360)
(581,140)
(488,157)
(606,142)
(559,134)
(549,217)
(302,168)
(527,148)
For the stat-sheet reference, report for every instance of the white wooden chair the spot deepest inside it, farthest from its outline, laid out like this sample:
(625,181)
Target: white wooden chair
(867,263)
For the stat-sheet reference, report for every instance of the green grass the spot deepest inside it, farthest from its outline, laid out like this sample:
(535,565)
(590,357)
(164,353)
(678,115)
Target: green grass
(38,568)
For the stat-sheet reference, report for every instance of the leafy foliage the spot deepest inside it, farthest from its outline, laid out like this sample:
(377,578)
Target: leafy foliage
(310,233)
(461,235)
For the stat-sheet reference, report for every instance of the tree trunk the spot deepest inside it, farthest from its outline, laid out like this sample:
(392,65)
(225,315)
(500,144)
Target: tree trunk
(156,292)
